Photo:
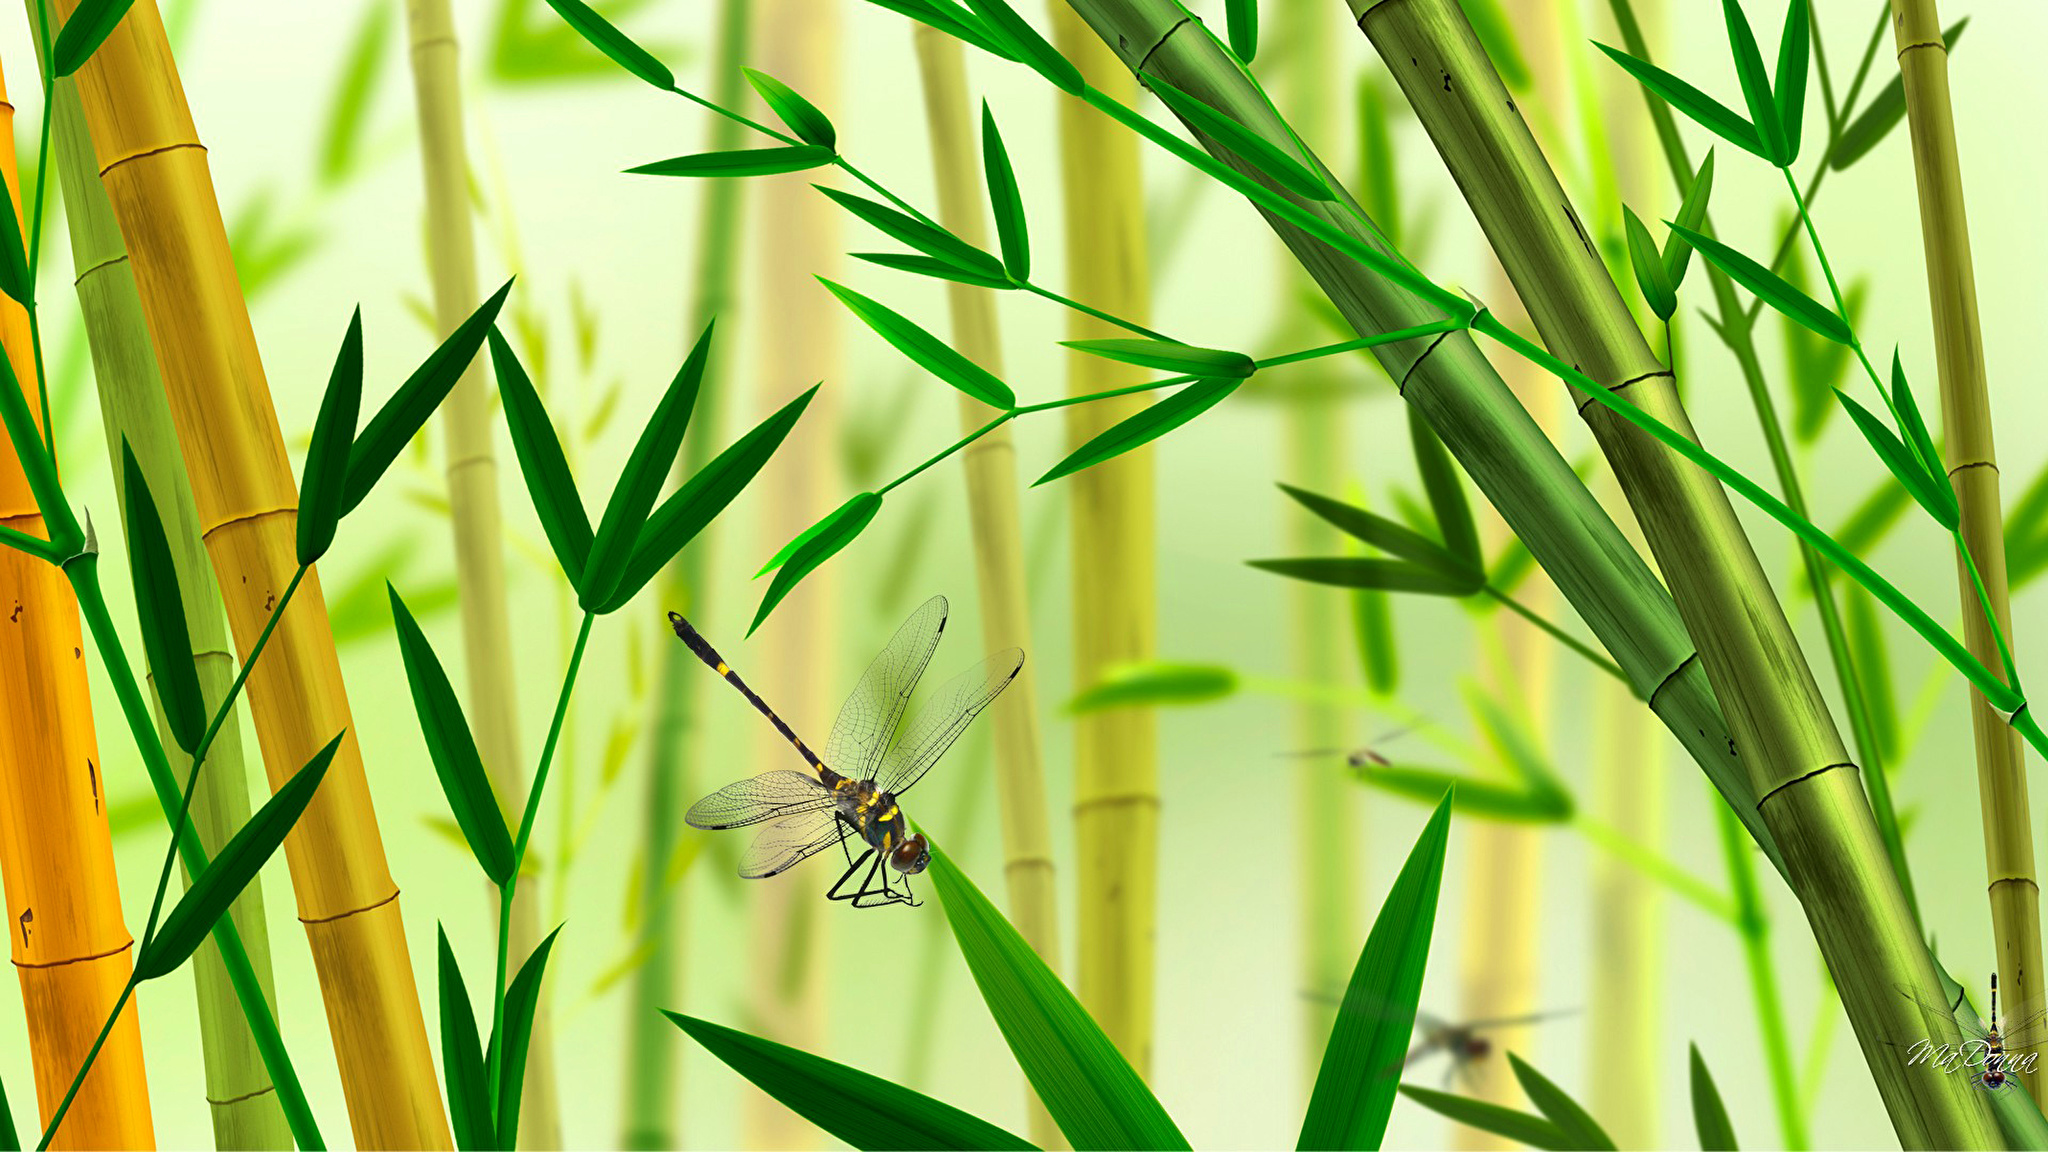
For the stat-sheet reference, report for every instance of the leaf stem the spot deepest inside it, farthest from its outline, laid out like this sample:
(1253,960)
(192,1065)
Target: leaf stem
(1105,317)
(1560,635)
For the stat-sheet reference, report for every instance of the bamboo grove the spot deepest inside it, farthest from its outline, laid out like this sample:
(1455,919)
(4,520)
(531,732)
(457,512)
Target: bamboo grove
(1590,170)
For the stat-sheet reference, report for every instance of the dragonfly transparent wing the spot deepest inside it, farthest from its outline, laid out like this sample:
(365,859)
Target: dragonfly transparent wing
(771,794)
(951,709)
(791,840)
(869,716)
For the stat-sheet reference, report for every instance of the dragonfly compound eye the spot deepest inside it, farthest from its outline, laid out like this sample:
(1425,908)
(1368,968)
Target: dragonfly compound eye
(911,856)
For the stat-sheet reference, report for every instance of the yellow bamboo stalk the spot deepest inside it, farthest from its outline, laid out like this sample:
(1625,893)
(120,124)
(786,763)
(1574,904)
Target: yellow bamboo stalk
(1973,470)
(472,469)
(1116,773)
(155,172)
(70,947)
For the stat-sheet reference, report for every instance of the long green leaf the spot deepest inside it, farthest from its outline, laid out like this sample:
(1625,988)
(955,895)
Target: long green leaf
(654,454)
(1902,464)
(1365,572)
(1511,741)
(88,27)
(1692,212)
(863,1110)
(452,748)
(462,1059)
(1153,683)
(1095,1097)
(614,43)
(933,267)
(1170,356)
(820,543)
(1254,149)
(1384,534)
(1769,287)
(334,432)
(548,480)
(1027,46)
(1354,1094)
(954,21)
(1709,1117)
(1704,110)
(1882,114)
(1518,1126)
(1914,427)
(1789,84)
(1756,83)
(739,162)
(166,642)
(14,278)
(1579,1128)
(1372,627)
(1479,799)
(522,997)
(1446,490)
(228,873)
(803,117)
(1648,265)
(937,243)
(1005,198)
(1241,20)
(355,91)
(1143,427)
(926,350)
(10,1137)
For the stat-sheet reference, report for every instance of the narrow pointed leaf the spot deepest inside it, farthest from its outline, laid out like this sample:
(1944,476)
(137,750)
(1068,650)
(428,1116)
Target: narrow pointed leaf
(1510,740)
(640,481)
(1005,199)
(1648,264)
(402,416)
(1912,425)
(1027,46)
(1692,213)
(803,117)
(462,1059)
(1241,20)
(1383,534)
(334,431)
(1901,463)
(1756,83)
(1518,1126)
(954,21)
(10,1137)
(934,242)
(1168,356)
(548,480)
(229,872)
(88,28)
(1093,1094)
(1701,108)
(161,608)
(1272,160)
(1479,799)
(935,268)
(452,748)
(522,997)
(1789,85)
(820,543)
(740,162)
(1709,1117)
(864,1111)
(1769,287)
(1141,428)
(1580,1131)
(1366,572)
(1372,626)
(14,279)
(926,350)
(614,43)
(1152,684)
(1882,114)
(1353,1094)
(1446,492)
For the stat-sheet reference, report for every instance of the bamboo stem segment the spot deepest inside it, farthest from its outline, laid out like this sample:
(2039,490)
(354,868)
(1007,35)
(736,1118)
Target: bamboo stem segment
(156,176)
(1973,470)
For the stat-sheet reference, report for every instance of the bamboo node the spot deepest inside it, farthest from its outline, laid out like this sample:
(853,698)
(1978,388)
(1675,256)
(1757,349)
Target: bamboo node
(102,265)
(1801,778)
(1139,67)
(148,152)
(242,1097)
(77,959)
(1401,386)
(1117,800)
(374,904)
(1651,700)
(2029,881)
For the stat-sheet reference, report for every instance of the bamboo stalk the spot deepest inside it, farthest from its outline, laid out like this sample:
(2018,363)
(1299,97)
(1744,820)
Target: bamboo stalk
(243,1102)
(472,469)
(1835,858)
(71,950)
(1116,774)
(998,541)
(155,173)
(1973,470)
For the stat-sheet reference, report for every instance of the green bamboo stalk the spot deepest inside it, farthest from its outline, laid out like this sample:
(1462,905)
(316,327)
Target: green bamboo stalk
(243,1102)
(1835,857)
(1973,470)
(998,541)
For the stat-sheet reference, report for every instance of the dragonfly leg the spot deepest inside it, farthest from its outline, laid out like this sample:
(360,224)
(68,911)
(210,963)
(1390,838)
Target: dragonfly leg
(869,895)
(832,893)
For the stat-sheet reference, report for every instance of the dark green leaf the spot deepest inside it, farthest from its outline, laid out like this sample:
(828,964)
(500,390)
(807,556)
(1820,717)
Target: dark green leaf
(522,996)
(1769,287)
(926,350)
(10,1138)
(238,862)
(954,21)
(334,431)
(1756,83)
(452,748)
(1241,20)
(462,1059)
(1005,199)
(935,268)
(1899,461)
(548,481)
(614,43)
(1479,799)
(1520,1127)
(1141,428)
(1169,356)
(402,416)
(1354,1094)
(1692,212)
(1027,46)
(1384,534)
(1706,111)
(1648,264)
(88,28)
(810,125)
(1446,491)
(161,608)
(1709,1117)
(1361,572)
(640,481)
(1789,85)
(1092,1093)
(739,162)
(1882,114)
(14,278)
(1269,158)
(934,242)
(1579,1129)
(1913,426)
(818,544)
(1152,683)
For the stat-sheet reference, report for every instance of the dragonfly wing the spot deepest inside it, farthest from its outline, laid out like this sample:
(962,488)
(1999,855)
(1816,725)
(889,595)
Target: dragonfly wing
(1935,1010)
(944,718)
(757,798)
(869,716)
(791,840)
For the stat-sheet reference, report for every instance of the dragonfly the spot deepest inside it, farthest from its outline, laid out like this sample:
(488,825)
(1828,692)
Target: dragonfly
(1368,753)
(852,794)
(1463,1041)
(1995,1054)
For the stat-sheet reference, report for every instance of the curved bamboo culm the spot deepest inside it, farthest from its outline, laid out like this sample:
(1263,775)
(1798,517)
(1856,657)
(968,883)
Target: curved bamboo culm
(1973,470)
(1116,771)
(472,468)
(991,465)
(1810,794)
(70,947)
(156,176)
(239,1094)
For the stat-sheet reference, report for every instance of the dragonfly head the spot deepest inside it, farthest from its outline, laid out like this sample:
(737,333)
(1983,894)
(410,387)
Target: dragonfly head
(911,856)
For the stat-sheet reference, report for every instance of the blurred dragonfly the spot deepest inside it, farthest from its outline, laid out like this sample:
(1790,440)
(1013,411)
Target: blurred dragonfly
(852,793)
(1990,1053)
(1464,1042)
(1368,753)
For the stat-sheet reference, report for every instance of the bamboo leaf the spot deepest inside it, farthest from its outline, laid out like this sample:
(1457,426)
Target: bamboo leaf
(1521,1127)
(548,480)
(1510,740)
(10,1137)
(1789,85)
(954,21)
(462,1058)
(334,430)
(355,92)
(1143,427)
(1692,212)
(1580,1130)
(926,350)
(1767,286)
(452,748)
(1378,160)
(803,117)
(1756,83)
(1372,627)
(640,481)
(1709,1117)
(614,43)
(1363,572)
(934,242)
(739,161)
(1882,114)
(1648,264)
(1095,1097)
(1004,198)
(935,268)
(1497,35)
(1915,430)
(166,642)
(1475,798)
(1153,683)
(402,416)
(864,1111)
(1241,21)
(1446,491)
(1703,109)
(522,997)
(1872,659)
(238,862)
(1027,46)
(2026,532)
(1170,356)
(1353,1095)
(1814,365)
(1384,534)
(818,544)
(14,278)
(1900,462)
(1270,160)
(88,28)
